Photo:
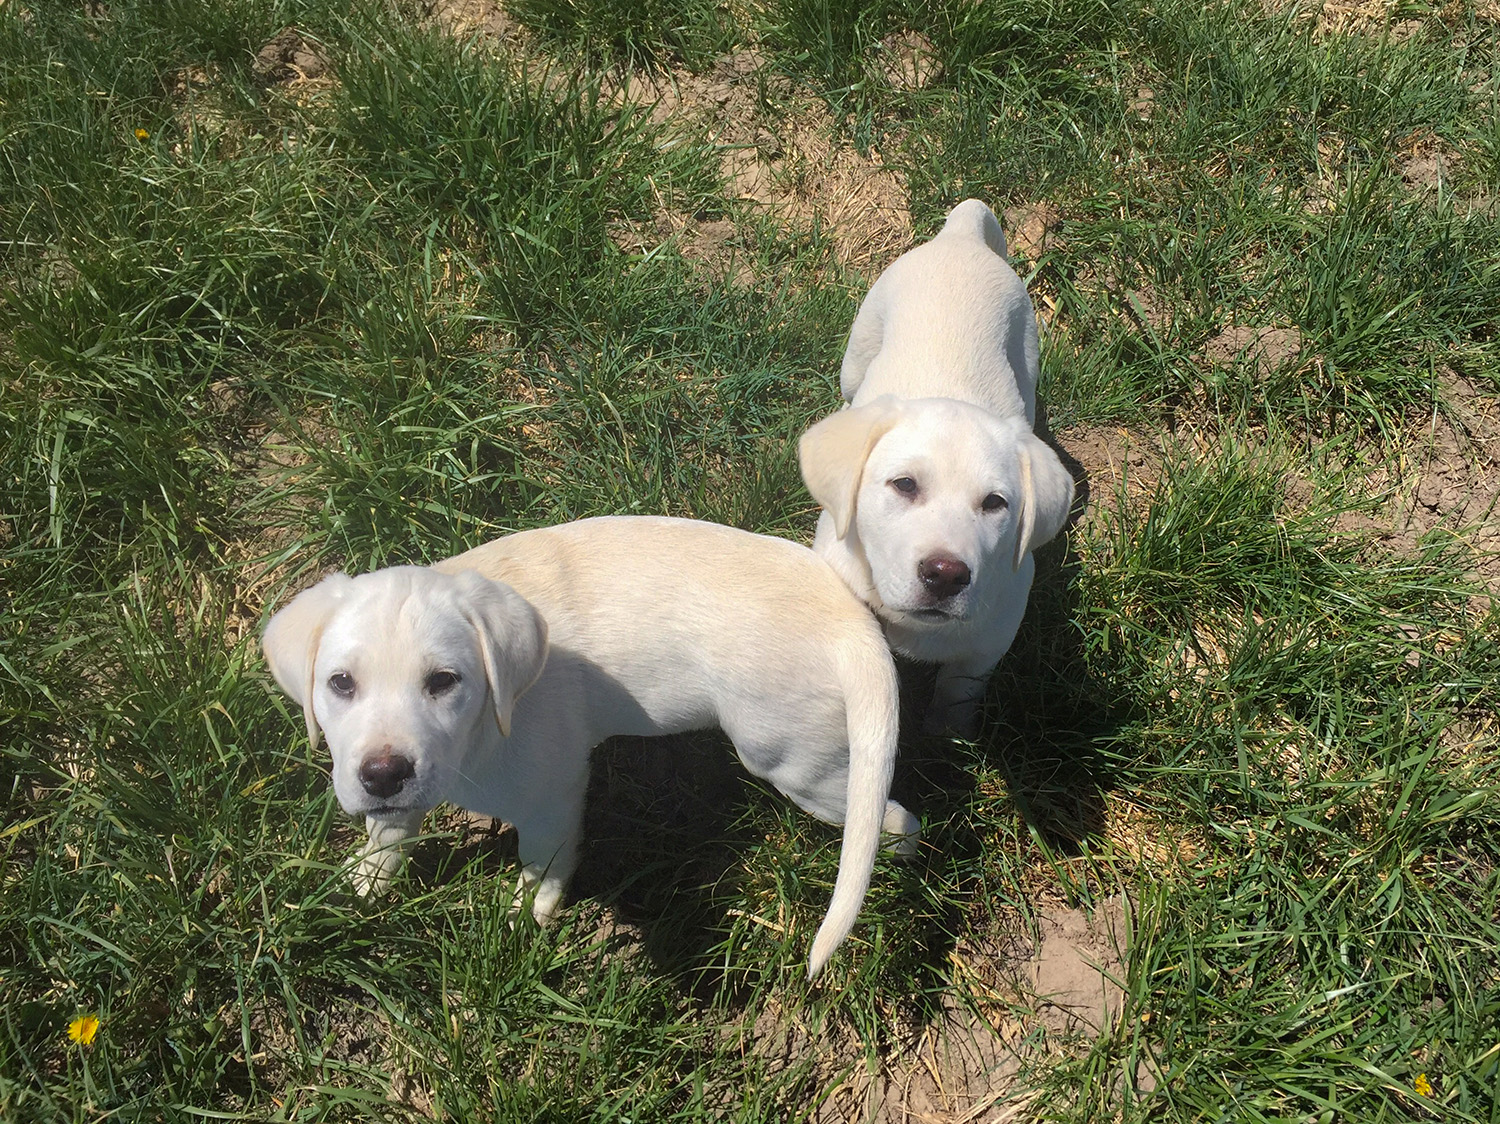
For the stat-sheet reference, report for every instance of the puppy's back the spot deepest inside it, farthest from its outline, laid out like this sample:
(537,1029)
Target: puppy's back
(949,318)
(657,597)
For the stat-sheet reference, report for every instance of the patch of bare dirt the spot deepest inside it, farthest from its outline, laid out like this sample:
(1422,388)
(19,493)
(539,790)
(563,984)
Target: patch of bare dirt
(286,57)
(788,160)
(965,1065)
(1145,839)
(908,61)
(293,67)
(1268,349)
(1425,171)
(1031,229)
(464,19)
(1379,17)
(1143,105)
(1075,972)
(1425,163)
(961,1067)
(718,245)
(1451,476)
(1111,458)
(1444,475)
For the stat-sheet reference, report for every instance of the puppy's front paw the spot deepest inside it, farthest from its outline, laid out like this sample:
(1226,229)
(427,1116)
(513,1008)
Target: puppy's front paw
(385,851)
(543,893)
(960,719)
(375,871)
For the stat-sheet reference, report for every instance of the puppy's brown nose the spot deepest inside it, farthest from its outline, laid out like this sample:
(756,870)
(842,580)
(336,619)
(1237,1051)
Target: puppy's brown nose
(383,774)
(943,576)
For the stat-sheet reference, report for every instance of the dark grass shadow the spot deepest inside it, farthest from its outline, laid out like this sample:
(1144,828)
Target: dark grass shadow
(1050,715)
(670,828)
(667,826)
(677,841)
(458,841)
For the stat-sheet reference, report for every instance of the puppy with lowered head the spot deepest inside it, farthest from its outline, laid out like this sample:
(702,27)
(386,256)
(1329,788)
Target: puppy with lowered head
(934,488)
(485,681)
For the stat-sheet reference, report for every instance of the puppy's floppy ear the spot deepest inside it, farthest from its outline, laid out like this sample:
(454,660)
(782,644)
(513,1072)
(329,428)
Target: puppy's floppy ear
(1046,495)
(291,642)
(833,454)
(512,639)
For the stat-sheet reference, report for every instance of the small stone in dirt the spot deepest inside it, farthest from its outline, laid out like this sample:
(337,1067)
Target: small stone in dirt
(285,58)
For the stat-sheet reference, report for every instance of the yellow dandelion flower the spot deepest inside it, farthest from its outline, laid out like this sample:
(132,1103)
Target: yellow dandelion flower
(141,134)
(83,1028)
(1422,1085)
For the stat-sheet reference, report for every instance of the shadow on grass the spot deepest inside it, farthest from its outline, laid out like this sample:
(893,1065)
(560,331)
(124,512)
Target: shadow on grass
(682,844)
(1050,712)
(667,829)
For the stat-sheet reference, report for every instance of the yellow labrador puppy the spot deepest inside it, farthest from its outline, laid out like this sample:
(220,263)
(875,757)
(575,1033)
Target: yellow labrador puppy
(486,680)
(934,488)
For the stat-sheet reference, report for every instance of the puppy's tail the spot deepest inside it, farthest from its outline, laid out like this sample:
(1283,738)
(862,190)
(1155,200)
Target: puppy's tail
(872,713)
(974,220)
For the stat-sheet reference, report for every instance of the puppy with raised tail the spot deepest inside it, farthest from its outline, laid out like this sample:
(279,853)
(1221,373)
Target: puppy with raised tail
(934,488)
(486,680)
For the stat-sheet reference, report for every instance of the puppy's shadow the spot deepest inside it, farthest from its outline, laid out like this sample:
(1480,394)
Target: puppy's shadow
(665,834)
(1050,713)
(463,840)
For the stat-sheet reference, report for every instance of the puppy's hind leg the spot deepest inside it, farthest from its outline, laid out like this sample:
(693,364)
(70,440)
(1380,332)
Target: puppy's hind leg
(903,828)
(390,838)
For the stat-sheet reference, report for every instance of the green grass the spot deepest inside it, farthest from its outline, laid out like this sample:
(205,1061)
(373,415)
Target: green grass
(250,334)
(645,34)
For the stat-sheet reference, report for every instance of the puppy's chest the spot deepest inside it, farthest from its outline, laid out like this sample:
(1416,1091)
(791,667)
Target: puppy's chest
(928,643)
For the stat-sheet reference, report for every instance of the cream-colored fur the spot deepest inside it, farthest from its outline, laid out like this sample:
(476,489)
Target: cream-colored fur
(485,681)
(934,488)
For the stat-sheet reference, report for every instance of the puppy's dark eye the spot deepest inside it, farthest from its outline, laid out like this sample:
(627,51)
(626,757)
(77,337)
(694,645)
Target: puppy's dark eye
(441,682)
(341,683)
(994,502)
(905,485)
